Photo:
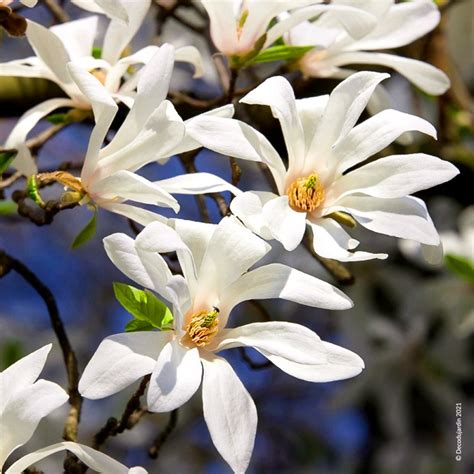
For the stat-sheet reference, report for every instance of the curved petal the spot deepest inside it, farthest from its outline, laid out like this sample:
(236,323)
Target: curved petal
(111,8)
(22,414)
(405,217)
(310,110)
(277,93)
(136,214)
(340,364)
(279,281)
(146,268)
(330,240)
(286,225)
(344,107)
(119,361)
(423,75)
(196,183)
(191,55)
(376,133)
(230,413)
(96,460)
(175,378)
(394,176)
(291,341)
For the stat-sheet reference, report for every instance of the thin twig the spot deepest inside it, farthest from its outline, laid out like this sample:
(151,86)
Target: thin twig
(164,435)
(8,263)
(57,11)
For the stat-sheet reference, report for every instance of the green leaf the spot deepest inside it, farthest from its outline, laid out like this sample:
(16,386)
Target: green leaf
(281,53)
(33,190)
(6,157)
(97,52)
(135,325)
(86,234)
(57,119)
(461,266)
(144,306)
(7,207)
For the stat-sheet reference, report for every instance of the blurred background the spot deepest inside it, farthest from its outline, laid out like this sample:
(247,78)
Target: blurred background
(413,323)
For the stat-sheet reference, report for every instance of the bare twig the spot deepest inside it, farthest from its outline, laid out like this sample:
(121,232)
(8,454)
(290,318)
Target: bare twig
(164,435)
(56,10)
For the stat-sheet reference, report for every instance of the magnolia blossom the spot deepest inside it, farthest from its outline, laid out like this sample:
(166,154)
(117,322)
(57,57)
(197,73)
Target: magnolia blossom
(28,3)
(320,187)
(24,402)
(215,261)
(397,25)
(152,131)
(240,27)
(73,41)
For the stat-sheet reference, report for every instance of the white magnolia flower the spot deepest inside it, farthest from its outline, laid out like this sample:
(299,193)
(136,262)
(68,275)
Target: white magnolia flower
(215,261)
(24,402)
(239,27)
(397,25)
(28,3)
(152,131)
(73,41)
(320,187)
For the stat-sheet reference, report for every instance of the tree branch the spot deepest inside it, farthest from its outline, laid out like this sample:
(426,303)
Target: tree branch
(161,439)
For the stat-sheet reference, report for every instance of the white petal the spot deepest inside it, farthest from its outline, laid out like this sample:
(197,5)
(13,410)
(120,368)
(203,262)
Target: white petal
(278,94)
(136,214)
(196,183)
(330,240)
(191,55)
(376,133)
(23,413)
(50,49)
(310,110)
(405,217)
(130,186)
(119,361)
(286,225)
(394,176)
(111,8)
(120,33)
(24,69)
(403,24)
(230,413)
(175,378)
(29,3)
(345,105)
(148,269)
(288,340)
(425,76)
(231,251)
(279,281)
(340,364)
(96,460)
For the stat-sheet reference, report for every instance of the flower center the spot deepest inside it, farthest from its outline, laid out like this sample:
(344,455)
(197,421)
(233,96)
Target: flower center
(100,74)
(305,194)
(203,327)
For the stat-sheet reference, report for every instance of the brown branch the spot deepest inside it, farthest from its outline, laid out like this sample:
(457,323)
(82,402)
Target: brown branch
(130,417)
(56,10)
(8,263)
(164,435)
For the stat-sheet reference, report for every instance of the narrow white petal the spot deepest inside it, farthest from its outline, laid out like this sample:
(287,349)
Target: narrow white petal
(340,364)
(96,460)
(191,55)
(196,183)
(286,225)
(29,3)
(136,214)
(119,361)
(288,340)
(230,413)
(279,281)
(310,110)
(175,378)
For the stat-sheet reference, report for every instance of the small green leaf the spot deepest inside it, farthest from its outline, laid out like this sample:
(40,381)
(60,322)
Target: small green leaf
(143,305)
(7,207)
(461,266)
(86,234)
(57,119)
(6,157)
(135,325)
(97,52)
(281,53)
(33,190)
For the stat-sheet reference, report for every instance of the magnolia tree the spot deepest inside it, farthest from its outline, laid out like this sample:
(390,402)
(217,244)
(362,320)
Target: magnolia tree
(343,164)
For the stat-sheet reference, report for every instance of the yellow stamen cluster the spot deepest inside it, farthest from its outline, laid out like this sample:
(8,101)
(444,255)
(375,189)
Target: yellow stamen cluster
(100,74)
(203,327)
(305,194)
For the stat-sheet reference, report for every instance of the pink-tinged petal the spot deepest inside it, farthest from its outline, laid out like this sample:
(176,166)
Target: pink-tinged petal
(286,225)
(230,413)
(119,361)
(291,341)
(340,364)
(330,240)
(175,378)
